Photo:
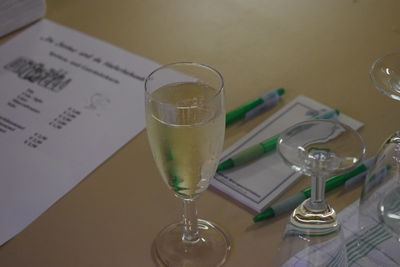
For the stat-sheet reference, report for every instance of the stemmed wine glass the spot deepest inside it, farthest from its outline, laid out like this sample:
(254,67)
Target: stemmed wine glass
(185,119)
(320,149)
(379,209)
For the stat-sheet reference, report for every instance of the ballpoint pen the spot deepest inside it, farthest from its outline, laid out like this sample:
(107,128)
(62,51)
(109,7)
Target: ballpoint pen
(292,202)
(254,106)
(260,149)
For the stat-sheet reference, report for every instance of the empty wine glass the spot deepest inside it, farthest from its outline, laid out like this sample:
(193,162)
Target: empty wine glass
(320,149)
(379,208)
(385,75)
(185,119)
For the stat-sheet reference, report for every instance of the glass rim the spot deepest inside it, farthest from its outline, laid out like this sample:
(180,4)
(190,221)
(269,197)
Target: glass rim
(165,66)
(392,93)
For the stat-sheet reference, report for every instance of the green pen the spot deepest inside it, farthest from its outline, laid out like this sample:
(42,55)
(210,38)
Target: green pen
(254,107)
(292,202)
(258,150)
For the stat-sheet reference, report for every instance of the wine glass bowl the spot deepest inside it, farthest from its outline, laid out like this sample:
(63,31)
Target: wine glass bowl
(334,155)
(385,75)
(379,206)
(185,121)
(380,197)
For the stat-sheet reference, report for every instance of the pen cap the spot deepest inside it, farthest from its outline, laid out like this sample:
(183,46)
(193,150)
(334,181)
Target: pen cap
(289,204)
(270,99)
(328,115)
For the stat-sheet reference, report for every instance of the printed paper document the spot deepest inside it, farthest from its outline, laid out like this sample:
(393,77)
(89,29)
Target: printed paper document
(67,102)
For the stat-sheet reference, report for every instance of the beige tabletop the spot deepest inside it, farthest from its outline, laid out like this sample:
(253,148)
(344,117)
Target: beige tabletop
(322,49)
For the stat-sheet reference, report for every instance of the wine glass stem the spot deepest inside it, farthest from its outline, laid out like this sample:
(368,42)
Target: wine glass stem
(317,200)
(190,221)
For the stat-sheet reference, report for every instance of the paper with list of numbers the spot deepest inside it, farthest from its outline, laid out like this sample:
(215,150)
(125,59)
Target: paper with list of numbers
(67,102)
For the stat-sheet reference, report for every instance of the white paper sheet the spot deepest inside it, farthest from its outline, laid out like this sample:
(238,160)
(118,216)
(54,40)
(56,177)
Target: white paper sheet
(15,14)
(67,103)
(256,184)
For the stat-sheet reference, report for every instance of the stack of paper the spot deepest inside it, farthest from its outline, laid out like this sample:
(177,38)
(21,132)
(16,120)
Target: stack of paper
(67,103)
(258,183)
(15,14)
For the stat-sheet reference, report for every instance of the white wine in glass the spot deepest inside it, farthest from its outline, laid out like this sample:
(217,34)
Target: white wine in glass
(187,150)
(185,120)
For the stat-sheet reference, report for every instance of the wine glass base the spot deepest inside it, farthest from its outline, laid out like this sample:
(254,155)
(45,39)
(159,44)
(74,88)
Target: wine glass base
(211,249)
(314,222)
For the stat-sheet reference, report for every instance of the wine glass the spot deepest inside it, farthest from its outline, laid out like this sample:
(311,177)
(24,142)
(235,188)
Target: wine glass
(185,119)
(320,149)
(379,208)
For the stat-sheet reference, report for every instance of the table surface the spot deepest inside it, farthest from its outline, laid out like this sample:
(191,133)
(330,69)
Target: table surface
(322,49)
